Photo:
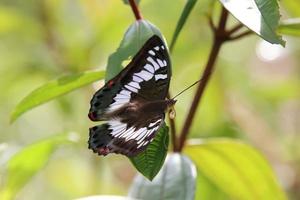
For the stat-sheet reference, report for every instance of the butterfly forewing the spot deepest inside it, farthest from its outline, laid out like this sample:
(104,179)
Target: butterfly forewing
(147,75)
(125,102)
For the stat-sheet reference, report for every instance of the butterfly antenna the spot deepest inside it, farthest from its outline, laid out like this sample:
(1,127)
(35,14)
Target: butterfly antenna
(186,89)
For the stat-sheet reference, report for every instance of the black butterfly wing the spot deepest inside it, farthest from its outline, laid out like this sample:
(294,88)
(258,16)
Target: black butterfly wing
(147,76)
(118,137)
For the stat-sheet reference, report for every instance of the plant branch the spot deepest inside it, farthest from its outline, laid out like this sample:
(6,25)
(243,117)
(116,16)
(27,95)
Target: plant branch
(135,10)
(211,23)
(235,28)
(219,38)
(239,36)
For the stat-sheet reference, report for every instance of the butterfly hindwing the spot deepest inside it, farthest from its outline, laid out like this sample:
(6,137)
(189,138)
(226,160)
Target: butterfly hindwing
(117,137)
(147,75)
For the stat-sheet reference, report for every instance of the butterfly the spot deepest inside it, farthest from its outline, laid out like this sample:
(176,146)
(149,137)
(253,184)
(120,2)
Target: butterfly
(133,103)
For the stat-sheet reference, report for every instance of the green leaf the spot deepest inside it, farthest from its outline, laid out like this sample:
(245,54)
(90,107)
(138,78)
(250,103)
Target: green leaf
(261,16)
(236,168)
(207,190)
(27,162)
(176,181)
(189,5)
(150,161)
(290,27)
(54,89)
(135,37)
(292,7)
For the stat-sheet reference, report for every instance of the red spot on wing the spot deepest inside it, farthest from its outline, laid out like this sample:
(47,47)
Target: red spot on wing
(103,151)
(110,83)
(92,116)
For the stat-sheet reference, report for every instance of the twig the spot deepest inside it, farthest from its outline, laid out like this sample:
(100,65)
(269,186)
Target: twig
(135,10)
(211,23)
(235,28)
(236,37)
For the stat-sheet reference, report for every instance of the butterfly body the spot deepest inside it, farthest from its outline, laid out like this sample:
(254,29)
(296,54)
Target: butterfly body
(133,103)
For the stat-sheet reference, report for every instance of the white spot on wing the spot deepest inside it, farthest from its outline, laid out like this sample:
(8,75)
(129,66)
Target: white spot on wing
(139,146)
(128,133)
(156,67)
(114,106)
(137,79)
(151,52)
(160,62)
(165,62)
(125,92)
(149,68)
(120,96)
(160,76)
(144,136)
(120,101)
(162,46)
(116,127)
(154,123)
(144,75)
(119,132)
(146,142)
(137,133)
(156,48)
(134,84)
(131,88)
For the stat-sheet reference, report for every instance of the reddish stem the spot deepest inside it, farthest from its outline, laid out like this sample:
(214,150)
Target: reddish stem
(135,10)
(219,38)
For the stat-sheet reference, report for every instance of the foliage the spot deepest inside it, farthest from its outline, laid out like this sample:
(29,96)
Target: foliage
(176,180)
(54,89)
(261,16)
(151,160)
(28,161)
(62,37)
(227,161)
(134,38)
(290,27)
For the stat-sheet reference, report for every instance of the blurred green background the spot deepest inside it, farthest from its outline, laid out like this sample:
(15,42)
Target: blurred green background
(253,95)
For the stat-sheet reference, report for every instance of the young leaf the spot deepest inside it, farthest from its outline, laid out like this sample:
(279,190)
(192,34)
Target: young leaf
(55,88)
(290,27)
(27,162)
(189,5)
(175,181)
(151,160)
(261,16)
(236,168)
(135,37)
